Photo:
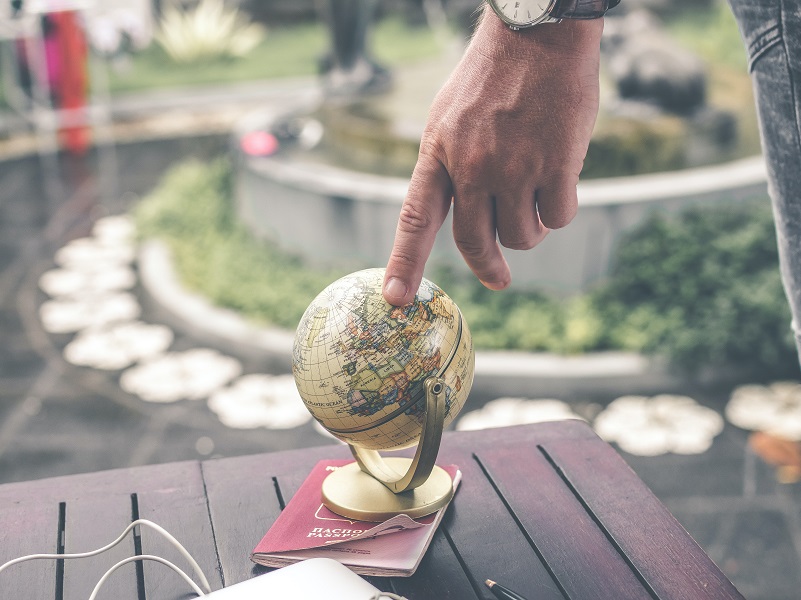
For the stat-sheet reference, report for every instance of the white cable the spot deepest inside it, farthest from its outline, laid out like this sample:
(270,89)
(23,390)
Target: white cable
(150,524)
(163,561)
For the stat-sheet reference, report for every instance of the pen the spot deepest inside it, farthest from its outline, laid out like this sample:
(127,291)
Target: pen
(502,593)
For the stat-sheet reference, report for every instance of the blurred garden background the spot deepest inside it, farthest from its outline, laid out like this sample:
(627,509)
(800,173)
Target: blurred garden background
(180,178)
(682,288)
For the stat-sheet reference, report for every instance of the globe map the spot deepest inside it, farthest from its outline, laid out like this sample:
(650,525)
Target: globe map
(360,363)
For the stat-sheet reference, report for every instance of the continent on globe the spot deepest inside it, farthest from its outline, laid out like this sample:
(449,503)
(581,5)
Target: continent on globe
(360,363)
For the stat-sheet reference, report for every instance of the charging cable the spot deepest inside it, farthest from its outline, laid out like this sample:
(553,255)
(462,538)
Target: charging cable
(158,559)
(108,573)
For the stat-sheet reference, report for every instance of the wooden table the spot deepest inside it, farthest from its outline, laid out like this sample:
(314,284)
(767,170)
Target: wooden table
(549,510)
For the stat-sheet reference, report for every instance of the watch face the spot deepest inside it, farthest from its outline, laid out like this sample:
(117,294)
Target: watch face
(521,13)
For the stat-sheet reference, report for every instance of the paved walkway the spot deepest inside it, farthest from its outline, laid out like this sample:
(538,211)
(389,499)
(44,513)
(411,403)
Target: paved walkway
(59,418)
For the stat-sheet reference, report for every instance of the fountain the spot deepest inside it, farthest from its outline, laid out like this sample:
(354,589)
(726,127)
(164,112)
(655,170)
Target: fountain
(332,191)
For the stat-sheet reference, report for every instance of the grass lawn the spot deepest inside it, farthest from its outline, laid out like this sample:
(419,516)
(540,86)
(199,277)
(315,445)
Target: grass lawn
(286,51)
(712,33)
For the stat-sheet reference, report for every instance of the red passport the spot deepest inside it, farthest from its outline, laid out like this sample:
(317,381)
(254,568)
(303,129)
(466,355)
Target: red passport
(307,529)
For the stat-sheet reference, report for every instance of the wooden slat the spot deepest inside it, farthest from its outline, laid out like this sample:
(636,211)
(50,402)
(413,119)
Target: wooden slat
(243,505)
(243,502)
(61,489)
(577,552)
(483,530)
(28,527)
(657,545)
(91,523)
(440,576)
(182,510)
(171,495)
(537,433)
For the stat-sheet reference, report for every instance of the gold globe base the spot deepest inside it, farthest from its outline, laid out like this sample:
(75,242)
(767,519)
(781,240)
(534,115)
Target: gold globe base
(354,494)
(375,488)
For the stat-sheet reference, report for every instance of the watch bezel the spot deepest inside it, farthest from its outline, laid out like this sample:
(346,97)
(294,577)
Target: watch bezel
(522,24)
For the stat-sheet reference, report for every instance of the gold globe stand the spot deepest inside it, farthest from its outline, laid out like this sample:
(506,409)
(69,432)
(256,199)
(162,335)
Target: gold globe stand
(375,488)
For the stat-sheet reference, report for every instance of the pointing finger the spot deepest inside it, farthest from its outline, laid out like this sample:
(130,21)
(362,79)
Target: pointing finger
(424,209)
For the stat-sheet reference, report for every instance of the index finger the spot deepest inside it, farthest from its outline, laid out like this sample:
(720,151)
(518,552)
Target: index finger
(422,214)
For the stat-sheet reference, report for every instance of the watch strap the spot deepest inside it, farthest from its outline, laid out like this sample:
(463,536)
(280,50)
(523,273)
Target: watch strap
(582,9)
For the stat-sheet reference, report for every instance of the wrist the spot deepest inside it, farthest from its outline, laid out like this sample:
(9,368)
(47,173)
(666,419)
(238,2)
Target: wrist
(577,36)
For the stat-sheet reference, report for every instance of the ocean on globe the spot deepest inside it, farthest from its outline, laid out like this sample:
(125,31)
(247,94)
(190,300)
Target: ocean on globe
(360,363)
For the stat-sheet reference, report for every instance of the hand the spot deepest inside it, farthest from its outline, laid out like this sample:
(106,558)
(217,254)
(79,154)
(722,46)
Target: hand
(504,143)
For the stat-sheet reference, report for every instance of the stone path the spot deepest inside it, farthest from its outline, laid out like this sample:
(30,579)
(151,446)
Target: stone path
(58,417)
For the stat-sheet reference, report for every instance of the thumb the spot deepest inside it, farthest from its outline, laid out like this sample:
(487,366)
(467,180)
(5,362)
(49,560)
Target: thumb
(422,214)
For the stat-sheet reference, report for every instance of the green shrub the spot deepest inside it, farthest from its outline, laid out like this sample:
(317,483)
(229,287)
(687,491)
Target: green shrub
(621,146)
(518,320)
(702,289)
(192,211)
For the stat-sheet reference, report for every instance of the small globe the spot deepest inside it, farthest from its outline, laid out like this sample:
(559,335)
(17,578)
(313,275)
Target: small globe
(360,363)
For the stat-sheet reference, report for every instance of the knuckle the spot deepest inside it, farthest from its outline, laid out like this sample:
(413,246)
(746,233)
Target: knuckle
(471,249)
(414,218)
(559,205)
(400,257)
(565,160)
(560,220)
(471,164)
(430,150)
(557,215)
(433,149)
(467,189)
(525,243)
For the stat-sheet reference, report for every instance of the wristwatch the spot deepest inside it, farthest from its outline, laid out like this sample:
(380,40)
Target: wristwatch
(520,14)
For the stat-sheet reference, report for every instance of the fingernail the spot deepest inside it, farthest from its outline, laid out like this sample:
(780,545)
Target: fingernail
(496,286)
(395,289)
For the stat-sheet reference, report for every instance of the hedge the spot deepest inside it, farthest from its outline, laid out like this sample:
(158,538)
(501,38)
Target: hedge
(702,289)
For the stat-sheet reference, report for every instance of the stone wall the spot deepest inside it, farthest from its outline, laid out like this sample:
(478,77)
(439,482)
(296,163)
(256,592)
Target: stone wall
(331,216)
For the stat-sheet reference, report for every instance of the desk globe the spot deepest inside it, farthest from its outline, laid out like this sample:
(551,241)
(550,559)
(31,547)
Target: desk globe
(380,377)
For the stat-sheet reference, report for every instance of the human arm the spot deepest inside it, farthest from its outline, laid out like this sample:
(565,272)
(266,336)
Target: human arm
(504,144)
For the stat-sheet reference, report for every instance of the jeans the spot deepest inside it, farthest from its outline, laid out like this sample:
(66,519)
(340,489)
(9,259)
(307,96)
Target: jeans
(771,30)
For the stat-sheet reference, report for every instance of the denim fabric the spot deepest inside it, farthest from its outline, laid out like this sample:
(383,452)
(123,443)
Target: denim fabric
(771,30)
